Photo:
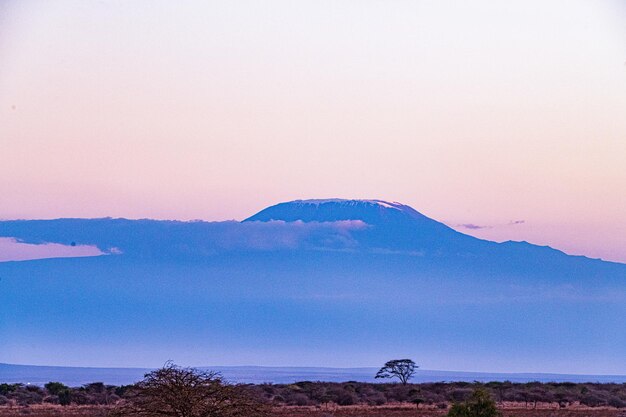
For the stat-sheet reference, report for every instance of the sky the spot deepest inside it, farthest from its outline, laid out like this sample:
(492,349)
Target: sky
(503,119)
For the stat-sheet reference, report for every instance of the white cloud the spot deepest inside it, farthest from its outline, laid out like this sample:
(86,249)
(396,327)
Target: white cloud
(12,249)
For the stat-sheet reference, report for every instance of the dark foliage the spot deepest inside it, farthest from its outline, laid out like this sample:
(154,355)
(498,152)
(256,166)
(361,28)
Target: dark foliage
(55,388)
(186,392)
(403,369)
(479,404)
(307,393)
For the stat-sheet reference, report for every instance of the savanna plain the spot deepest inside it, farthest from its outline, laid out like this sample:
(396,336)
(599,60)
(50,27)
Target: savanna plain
(348,399)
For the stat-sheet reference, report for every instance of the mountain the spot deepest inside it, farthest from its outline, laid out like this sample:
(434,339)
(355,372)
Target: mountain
(397,228)
(389,225)
(372,212)
(340,283)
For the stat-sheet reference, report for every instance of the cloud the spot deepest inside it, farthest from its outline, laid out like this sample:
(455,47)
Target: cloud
(12,249)
(288,235)
(148,238)
(472,226)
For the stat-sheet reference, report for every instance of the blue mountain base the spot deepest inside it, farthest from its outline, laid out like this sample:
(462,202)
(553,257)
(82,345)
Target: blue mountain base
(321,282)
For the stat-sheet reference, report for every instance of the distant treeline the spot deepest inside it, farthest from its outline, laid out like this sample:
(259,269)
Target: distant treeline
(307,393)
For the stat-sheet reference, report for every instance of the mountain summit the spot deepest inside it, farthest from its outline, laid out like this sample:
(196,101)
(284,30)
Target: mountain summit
(392,225)
(335,209)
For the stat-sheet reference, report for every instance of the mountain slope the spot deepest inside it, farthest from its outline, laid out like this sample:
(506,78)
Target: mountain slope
(391,225)
(398,227)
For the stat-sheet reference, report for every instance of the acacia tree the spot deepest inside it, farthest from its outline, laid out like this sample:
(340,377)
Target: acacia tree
(403,369)
(173,391)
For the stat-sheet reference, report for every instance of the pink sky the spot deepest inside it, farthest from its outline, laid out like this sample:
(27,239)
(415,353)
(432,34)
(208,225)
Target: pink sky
(477,113)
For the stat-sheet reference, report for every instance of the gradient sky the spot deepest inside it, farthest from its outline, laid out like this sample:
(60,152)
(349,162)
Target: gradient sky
(505,116)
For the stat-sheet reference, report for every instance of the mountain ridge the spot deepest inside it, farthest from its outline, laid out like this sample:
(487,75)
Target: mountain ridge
(386,226)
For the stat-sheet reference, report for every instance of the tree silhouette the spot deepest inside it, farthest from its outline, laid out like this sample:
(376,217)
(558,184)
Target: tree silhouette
(403,369)
(173,391)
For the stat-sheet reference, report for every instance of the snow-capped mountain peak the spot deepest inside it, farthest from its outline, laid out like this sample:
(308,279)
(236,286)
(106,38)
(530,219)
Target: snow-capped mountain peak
(336,209)
(346,202)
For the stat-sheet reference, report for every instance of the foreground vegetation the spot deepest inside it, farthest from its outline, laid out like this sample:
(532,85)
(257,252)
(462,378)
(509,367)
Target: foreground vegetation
(174,391)
(532,395)
(389,410)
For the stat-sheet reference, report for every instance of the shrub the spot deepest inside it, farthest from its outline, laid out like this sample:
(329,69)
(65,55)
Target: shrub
(299,399)
(188,392)
(617,402)
(479,404)
(347,398)
(461,394)
(65,397)
(54,388)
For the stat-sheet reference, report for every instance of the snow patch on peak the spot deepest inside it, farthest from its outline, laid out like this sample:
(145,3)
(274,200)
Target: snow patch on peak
(319,201)
(334,209)
(387,204)
(382,203)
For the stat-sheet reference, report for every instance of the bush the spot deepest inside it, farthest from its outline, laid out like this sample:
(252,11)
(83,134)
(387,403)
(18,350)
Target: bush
(188,392)
(299,399)
(8,388)
(54,388)
(592,400)
(347,398)
(376,399)
(25,397)
(65,397)
(479,404)
(461,394)
(617,402)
